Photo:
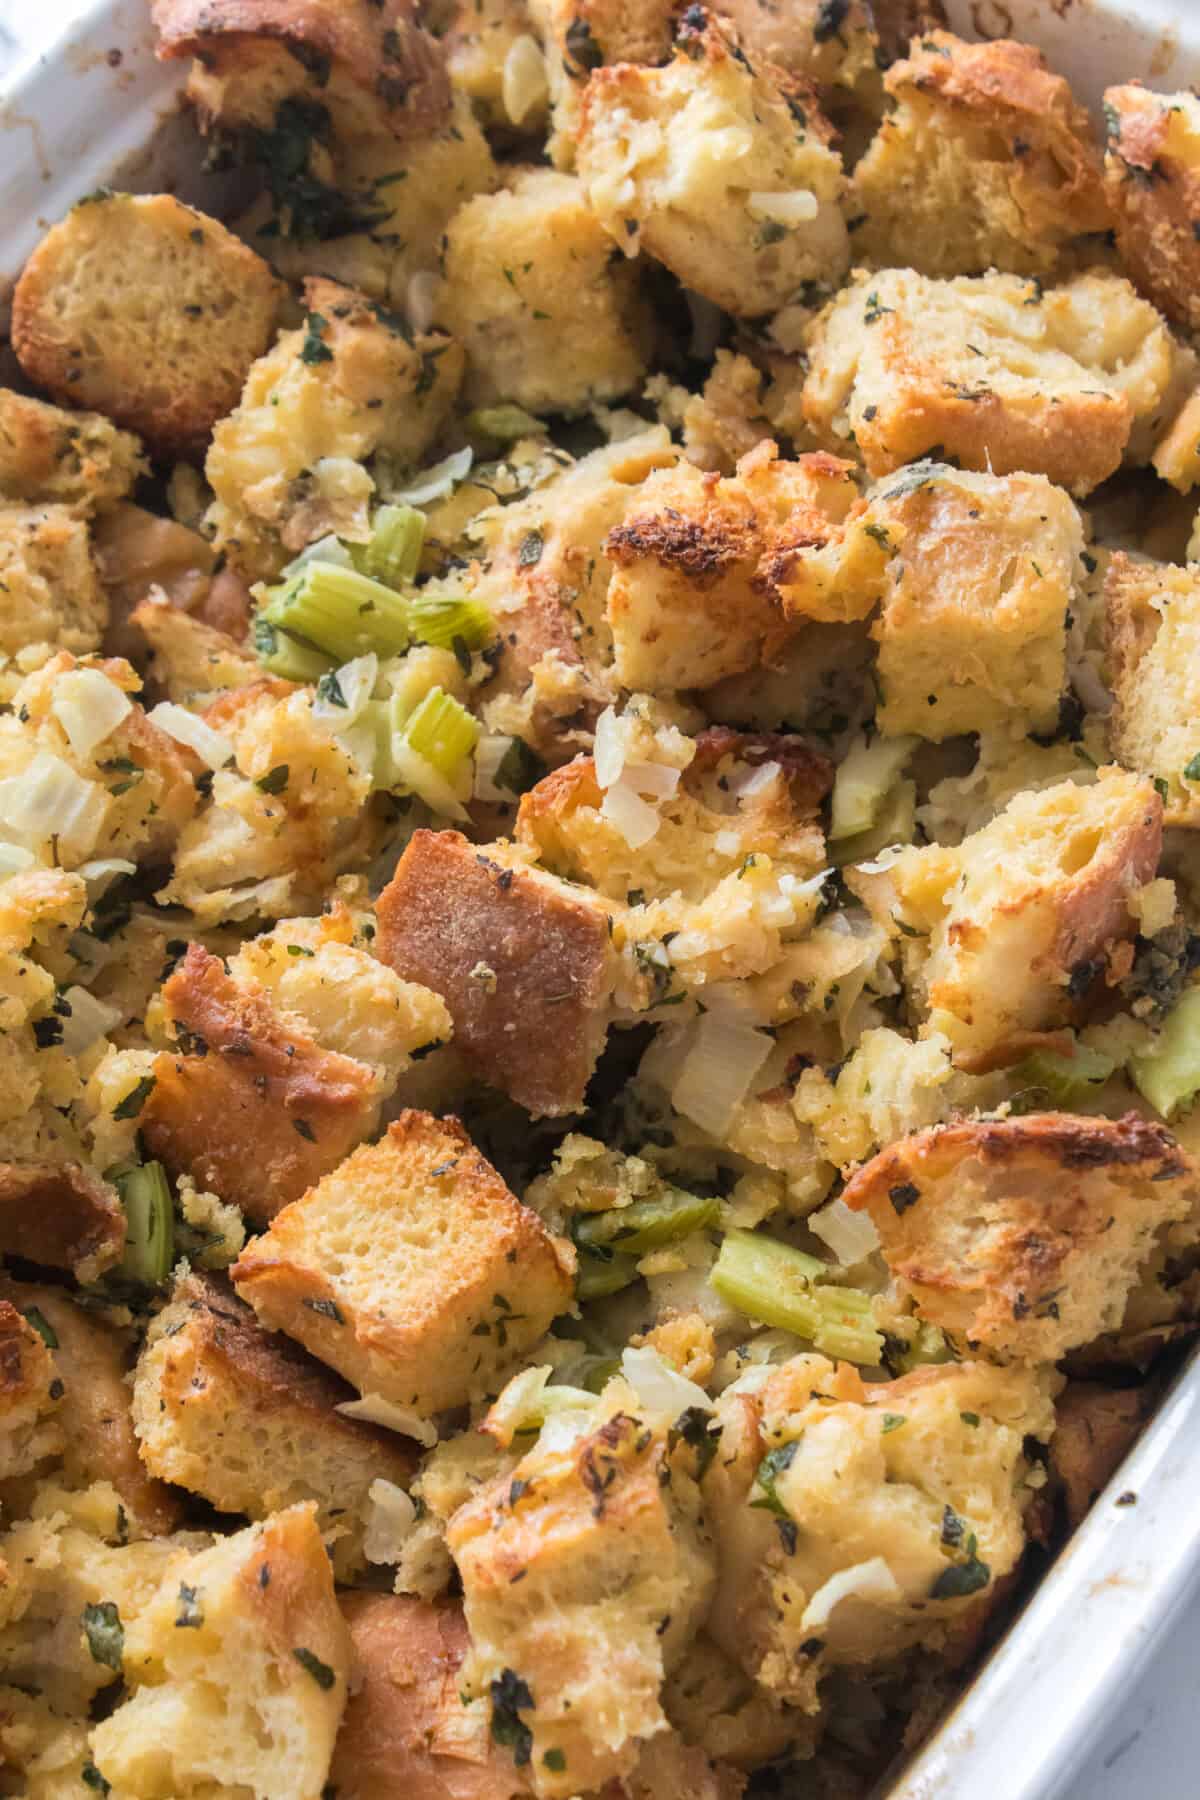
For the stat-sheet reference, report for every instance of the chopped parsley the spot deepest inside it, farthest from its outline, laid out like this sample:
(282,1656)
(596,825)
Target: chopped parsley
(105,1634)
(320,1671)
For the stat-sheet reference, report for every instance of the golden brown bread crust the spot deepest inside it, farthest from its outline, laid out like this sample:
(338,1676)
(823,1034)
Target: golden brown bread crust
(253,1109)
(60,1216)
(1094,1427)
(534,1026)
(1155,200)
(405,1734)
(23,1355)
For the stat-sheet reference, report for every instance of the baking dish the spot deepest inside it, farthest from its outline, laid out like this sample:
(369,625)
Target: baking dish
(95,105)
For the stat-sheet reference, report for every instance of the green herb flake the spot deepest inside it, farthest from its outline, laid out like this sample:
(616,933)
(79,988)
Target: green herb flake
(893,1422)
(555,1761)
(91,1777)
(190,1615)
(312,1665)
(969,1418)
(961,1579)
(34,1316)
(1191,771)
(510,1697)
(274,781)
(314,349)
(767,1474)
(105,1634)
(135,1099)
(530,552)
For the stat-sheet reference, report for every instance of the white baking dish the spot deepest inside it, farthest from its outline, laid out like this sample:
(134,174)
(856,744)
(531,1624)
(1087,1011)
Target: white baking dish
(96,101)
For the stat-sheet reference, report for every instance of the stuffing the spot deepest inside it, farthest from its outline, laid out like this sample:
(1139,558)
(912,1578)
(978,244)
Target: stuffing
(352,381)
(584,1574)
(1025,1235)
(60,1216)
(727,418)
(993,371)
(243,1417)
(578,36)
(238,1668)
(815,682)
(1152,180)
(50,456)
(52,593)
(406,1730)
(890,1086)
(189,660)
(718,170)
(859,1519)
(711,1701)
(411,1269)
(367,62)
(45,1753)
(1020,917)
(1177,454)
(987,162)
(146,311)
(827,44)
(143,558)
(248,1101)
(30,1389)
(1152,623)
(668,1765)
(547,317)
(1094,1427)
(524,962)
(495,62)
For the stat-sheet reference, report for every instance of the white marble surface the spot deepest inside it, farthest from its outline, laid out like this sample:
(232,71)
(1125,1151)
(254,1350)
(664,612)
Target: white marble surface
(1149,1749)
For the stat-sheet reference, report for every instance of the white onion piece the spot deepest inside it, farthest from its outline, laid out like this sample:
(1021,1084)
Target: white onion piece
(212,747)
(797,207)
(523,83)
(88,1020)
(49,799)
(375,1410)
(871,1580)
(634,819)
(850,1235)
(724,1057)
(327,549)
(14,859)
(659,1386)
(608,748)
(103,869)
(655,780)
(420,299)
(490,752)
(89,707)
(390,1522)
(356,683)
(418,776)
(435,482)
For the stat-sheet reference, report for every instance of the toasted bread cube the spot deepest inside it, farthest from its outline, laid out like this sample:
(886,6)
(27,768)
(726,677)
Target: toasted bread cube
(239,1668)
(145,558)
(997,373)
(72,459)
(585,1571)
(147,311)
(52,593)
(532,293)
(1022,914)
(406,1733)
(524,963)
(580,35)
(1177,454)
(60,1216)
(927,1475)
(1025,1235)
(245,1418)
(411,1269)
(1152,628)
(30,1390)
(367,62)
(1094,1427)
(988,162)
(1152,178)
(190,660)
(718,170)
(249,1102)
(797,37)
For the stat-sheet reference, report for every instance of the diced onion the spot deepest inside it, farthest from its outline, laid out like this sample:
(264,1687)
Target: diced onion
(608,747)
(871,1580)
(754,781)
(49,799)
(14,858)
(103,869)
(658,1386)
(390,1522)
(850,1235)
(523,83)
(375,1410)
(518,1404)
(724,1057)
(798,207)
(416,774)
(420,299)
(88,1020)
(89,707)
(327,549)
(636,821)
(212,747)
(655,780)
(436,482)
(490,752)
(356,683)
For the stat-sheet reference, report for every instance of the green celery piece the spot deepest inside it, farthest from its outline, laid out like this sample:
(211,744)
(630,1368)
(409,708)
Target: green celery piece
(647,1224)
(1168,1076)
(773,1282)
(149,1223)
(339,611)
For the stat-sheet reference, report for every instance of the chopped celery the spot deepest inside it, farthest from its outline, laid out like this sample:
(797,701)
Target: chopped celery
(647,1224)
(442,619)
(442,731)
(601,1271)
(1066,1079)
(282,655)
(770,1281)
(393,553)
(1169,1074)
(340,611)
(863,782)
(927,1345)
(503,424)
(896,824)
(149,1223)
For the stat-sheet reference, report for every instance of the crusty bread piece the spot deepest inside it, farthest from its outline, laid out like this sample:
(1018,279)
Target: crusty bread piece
(249,1103)
(798,38)
(994,372)
(143,558)
(245,1418)
(406,1733)
(1177,454)
(987,162)
(30,1391)
(367,61)
(147,311)
(190,660)
(1152,171)
(693,162)
(411,1269)
(60,1216)
(585,1571)
(78,460)
(239,1667)
(547,316)
(1094,1426)
(578,36)
(1025,1235)
(1152,630)
(711,1700)
(52,594)
(524,963)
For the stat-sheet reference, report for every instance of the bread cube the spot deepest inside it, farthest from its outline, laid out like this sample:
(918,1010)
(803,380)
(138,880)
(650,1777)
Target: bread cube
(581,35)
(411,1269)
(547,316)
(249,1102)
(993,371)
(243,1417)
(30,1390)
(524,963)
(1152,628)
(146,311)
(51,456)
(60,1216)
(1025,1235)
(720,171)
(189,660)
(987,162)
(52,593)
(238,1666)
(1094,1427)
(798,37)
(1152,179)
